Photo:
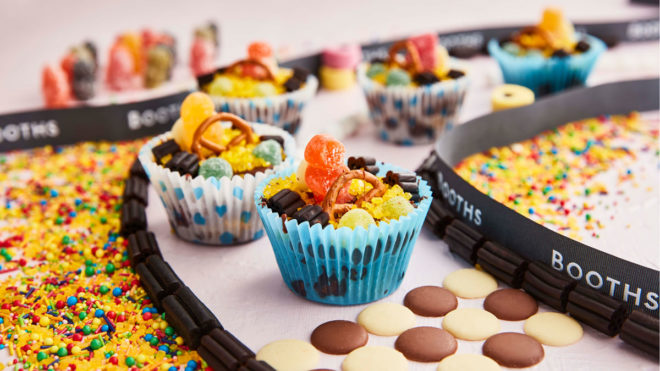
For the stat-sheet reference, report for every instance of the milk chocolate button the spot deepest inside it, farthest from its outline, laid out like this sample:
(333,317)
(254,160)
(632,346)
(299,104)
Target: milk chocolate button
(512,349)
(426,344)
(339,337)
(430,301)
(511,304)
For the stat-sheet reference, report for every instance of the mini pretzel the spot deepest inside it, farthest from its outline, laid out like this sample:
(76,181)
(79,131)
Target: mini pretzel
(414,64)
(270,75)
(534,30)
(329,202)
(199,142)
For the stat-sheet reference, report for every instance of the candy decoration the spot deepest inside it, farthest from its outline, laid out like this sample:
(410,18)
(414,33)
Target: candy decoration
(120,73)
(83,77)
(397,207)
(397,77)
(184,163)
(54,87)
(312,214)
(159,66)
(324,151)
(270,151)
(426,48)
(511,96)
(376,69)
(196,108)
(285,202)
(215,167)
(162,151)
(356,218)
(333,208)
(199,142)
(366,163)
(220,86)
(319,180)
(202,55)
(425,78)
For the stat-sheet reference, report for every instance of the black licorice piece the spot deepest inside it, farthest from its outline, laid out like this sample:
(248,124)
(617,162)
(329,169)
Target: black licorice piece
(234,346)
(438,218)
(548,285)
(463,51)
(560,53)
(138,171)
(141,245)
(455,74)
(407,181)
(211,359)
(177,316)
(503,263)
(582,46)
(276,138)
(363,162)
(164,273)
(164,149)
(425,78)
(136,189)
(300,73)
(598,310)
(286,202)
(463,240)
(641,331)
(292,84)
(312,214)
(224,359)
(151,285)
(254,365)
(133,217)
(202,315)
(184,163)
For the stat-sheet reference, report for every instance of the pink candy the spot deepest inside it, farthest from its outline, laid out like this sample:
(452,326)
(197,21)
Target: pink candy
(120,73)
(426,45)
(202,54)
(343,57)
(55,87)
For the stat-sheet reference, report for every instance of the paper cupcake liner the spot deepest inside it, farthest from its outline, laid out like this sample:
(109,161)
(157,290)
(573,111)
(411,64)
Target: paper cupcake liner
(547,75)
(283,111)
(411,116)
(344,266)
(209,210)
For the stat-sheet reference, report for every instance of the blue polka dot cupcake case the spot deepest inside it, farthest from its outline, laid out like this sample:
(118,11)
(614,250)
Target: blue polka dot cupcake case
(213,211)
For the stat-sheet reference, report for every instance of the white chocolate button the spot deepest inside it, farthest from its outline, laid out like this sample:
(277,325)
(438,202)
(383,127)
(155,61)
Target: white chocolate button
(375,358)
(470,283)
(468,362)
(471,324)
(289,355)
(551,328)
(386,319)
(511,96)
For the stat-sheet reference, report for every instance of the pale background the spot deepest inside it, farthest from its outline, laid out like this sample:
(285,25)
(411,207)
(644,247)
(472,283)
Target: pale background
(242,285)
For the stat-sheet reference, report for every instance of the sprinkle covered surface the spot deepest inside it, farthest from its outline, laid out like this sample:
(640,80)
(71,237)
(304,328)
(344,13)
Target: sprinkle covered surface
(69,298)
(576,178)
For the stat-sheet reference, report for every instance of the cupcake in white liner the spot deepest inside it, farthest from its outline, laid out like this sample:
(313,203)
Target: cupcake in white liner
(212,210)
(257,90)
(412,100)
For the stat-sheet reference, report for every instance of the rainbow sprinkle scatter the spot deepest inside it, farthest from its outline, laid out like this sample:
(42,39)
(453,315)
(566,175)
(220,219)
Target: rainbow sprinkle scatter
(556,178)
(69,298)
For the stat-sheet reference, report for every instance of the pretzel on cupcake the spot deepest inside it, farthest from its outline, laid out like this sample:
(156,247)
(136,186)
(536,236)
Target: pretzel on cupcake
(199,142)
(330,204)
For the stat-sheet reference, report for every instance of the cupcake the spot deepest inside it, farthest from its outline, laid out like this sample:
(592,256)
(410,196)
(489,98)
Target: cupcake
(413,98)
(549,57)
(258,90)
(342,234)
(206,168)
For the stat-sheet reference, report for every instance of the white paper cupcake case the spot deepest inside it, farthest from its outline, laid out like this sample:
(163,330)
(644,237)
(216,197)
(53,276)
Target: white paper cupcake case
(411,116)
(212,211)
(283,111)
(343,266)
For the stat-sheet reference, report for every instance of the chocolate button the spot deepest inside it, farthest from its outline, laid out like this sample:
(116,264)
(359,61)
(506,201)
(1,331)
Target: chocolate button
(510,304)
(430,301)
(339,337)
(511,349)
(426,344)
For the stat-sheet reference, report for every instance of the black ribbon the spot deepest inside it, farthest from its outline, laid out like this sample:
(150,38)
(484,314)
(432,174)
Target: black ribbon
(635,284)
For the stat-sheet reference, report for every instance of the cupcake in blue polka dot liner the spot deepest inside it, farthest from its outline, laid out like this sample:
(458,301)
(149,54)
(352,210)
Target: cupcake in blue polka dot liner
(415,93)
(258,90)
(549,57)
(206,169)
(342,232)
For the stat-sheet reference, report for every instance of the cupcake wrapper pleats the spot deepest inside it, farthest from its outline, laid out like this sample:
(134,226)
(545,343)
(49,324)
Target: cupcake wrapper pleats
(283,111)
(343,266)
(211,211)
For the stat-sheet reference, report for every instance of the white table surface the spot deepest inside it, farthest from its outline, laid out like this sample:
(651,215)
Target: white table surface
(242,284)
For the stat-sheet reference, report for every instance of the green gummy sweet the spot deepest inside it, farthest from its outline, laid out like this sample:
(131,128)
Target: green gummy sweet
(265,89)
(269,150)
(356,218)
(397,77)
(220,86)
(376,69)
(215,167)
(511,48)
(396,207)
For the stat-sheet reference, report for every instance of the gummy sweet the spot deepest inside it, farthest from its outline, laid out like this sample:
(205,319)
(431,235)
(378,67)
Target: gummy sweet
(396,207)
(265,89)
(376,69)
(215,167)
(356,218)
(54,87)
(324,151)
(319,180)
(220,86)
(397,77)
(269,150)
(195,109)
